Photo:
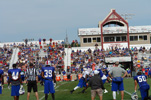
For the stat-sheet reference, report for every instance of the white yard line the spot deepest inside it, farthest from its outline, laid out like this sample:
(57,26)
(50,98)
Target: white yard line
(62,90)
(41,97)
(55,88)
(128,92)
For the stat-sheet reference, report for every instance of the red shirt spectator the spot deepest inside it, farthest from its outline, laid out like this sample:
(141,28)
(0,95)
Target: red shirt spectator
(143,70)
(19,53)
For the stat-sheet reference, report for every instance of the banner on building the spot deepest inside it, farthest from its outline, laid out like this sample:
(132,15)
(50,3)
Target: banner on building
(120,59)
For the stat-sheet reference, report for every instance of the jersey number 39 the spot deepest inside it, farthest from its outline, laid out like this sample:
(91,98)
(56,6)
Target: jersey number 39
(48,73)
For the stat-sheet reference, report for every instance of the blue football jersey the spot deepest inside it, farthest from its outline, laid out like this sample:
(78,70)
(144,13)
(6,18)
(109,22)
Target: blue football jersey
(48,72)
(141,80)
(14,73)
(1,73)
(100,72)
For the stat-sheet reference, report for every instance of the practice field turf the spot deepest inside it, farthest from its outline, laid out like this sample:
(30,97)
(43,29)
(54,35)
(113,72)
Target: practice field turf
(63,92)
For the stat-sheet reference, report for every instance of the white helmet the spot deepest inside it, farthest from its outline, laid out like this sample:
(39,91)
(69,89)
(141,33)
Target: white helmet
(96,72)
(48,62)
(134,96)
(84,69)
(21,90)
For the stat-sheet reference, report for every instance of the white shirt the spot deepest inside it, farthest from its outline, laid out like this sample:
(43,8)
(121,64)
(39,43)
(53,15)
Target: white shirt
(85,73)
(104,77)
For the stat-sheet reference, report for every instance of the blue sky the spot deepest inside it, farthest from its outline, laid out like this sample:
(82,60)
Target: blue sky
(20,19)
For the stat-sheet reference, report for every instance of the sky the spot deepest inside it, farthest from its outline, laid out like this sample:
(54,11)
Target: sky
(20,19)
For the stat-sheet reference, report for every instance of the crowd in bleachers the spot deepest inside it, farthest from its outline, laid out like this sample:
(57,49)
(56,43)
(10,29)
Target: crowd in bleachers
(117,52)
(95,58)
(30,53)
(27,53)
(79,59)
(5,56)
(56,55)
(142,60)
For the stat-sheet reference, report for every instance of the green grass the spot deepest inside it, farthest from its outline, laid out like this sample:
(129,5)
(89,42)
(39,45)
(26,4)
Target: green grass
(63,92)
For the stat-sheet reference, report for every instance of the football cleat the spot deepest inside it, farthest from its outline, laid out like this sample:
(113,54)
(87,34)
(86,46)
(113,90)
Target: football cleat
(83,91)
(71,91)
(105,91)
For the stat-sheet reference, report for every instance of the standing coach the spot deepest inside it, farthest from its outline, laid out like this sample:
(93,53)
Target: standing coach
(96,85)
(117,79)
(32,79)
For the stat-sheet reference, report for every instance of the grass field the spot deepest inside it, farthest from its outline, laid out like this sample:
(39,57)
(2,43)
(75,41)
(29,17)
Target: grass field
(63,92)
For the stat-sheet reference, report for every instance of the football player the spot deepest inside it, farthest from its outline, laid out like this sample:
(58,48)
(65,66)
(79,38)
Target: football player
(82,82)
(15,79)
(49,76)
(141,80)
(1,80)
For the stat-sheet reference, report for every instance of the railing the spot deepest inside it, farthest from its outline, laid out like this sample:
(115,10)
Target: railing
(13,57)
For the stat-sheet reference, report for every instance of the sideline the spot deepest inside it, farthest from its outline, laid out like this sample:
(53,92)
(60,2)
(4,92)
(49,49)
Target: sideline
(55,88)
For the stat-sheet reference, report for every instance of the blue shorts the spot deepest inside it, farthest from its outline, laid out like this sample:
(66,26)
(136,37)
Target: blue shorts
(117,86)
(149,73)
(82,83)
(144,91)
(48,87)
(22,77)
(0,90)
(104,81)
(107,75)
(15,90)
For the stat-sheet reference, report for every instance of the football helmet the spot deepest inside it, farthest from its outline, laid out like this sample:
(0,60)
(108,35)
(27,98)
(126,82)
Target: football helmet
(84,69)
(96,72)
(134,96)
(48,63)
(21,90)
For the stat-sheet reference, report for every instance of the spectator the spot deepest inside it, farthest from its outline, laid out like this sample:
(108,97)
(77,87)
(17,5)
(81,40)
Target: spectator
(128,72)
(149,58)
(69,75)
(149,72)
